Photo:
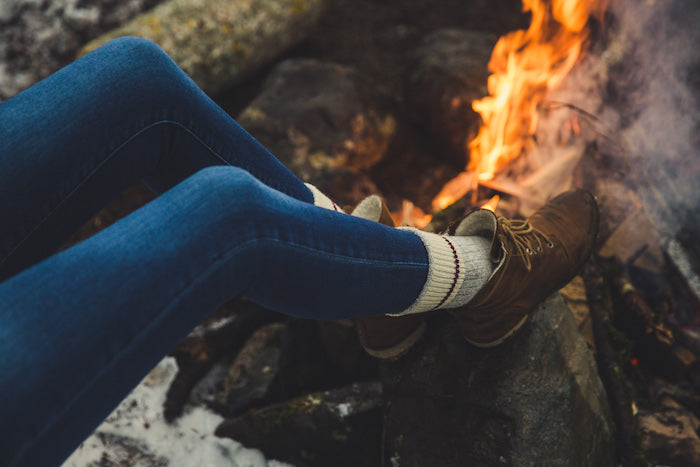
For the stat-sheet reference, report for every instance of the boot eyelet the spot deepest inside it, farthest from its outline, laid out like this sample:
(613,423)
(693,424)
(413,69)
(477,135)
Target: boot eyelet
(529,251)
(539,249)
(550,245)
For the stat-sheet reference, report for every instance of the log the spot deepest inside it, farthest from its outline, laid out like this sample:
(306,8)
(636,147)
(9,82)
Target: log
(340,427)
(655,340)
(599,302)
(221,42)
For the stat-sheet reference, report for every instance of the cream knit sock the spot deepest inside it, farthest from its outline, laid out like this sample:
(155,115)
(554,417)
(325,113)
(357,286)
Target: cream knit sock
(322,200)
(459,267)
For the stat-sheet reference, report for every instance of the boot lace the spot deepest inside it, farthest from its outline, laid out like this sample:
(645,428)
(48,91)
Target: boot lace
(524,240)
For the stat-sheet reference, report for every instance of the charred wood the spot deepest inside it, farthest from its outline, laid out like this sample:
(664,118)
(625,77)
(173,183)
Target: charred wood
(599,302)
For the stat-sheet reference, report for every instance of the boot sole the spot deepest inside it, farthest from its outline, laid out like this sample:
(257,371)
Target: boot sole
(500,340)
(398,350)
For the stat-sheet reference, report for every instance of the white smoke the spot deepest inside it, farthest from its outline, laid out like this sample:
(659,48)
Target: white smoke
(641,82)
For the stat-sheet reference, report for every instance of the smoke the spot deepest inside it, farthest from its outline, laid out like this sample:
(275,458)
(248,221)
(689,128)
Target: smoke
(642,81)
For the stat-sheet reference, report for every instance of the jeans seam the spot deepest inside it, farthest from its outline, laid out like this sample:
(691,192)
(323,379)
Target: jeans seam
(215,264)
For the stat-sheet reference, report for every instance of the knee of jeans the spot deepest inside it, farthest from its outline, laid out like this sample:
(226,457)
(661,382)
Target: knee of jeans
(230,184)
(140,65)
(134,48)
(132,51)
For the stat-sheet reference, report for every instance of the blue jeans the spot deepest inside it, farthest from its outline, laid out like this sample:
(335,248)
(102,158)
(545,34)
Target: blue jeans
(79,329)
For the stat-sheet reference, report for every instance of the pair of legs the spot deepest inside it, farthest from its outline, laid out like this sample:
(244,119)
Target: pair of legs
(79,329)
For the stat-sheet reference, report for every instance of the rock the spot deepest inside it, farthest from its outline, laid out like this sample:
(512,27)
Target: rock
(669,437)
(37,37)
(449,71)
(348,361)
(281,361)
(249,379)
(220,42)
(341,428)
(220,335)
(536,399)
(322,120)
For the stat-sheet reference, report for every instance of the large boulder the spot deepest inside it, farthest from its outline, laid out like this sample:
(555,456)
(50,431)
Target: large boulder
(220,42)
(535,400)
(326,122)
(449,71)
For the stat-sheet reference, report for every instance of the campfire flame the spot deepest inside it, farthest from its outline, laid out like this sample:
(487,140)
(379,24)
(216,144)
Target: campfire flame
(411,215)
(491,204)
(524,66)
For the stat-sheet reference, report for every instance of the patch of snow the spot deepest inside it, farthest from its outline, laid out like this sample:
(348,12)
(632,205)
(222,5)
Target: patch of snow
(344,409)
(136,433)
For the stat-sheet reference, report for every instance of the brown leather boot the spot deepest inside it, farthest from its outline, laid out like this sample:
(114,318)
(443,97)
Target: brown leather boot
(535,258)
(386,337)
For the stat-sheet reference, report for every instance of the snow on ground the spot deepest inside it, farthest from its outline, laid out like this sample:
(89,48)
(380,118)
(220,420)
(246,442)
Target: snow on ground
(136,433)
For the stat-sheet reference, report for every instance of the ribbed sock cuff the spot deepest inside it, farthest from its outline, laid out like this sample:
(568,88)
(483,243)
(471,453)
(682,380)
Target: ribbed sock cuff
(445,276)
(322,200)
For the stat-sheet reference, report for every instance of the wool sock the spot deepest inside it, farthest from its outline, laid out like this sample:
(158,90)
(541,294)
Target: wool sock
(322,200)
(458,268)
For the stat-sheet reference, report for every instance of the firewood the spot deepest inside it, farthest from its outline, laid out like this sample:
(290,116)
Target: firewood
(599,302)
(655,340)
(220,42)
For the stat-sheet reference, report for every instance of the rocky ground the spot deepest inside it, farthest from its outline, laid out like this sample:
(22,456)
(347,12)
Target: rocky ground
(374,98)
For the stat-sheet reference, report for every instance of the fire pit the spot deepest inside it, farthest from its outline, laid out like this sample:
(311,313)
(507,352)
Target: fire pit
(600,95)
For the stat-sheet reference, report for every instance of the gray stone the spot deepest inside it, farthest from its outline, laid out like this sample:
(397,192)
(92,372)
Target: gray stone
(341,427)
(448,72)
(221,335)
(250,376)
(37,37)
(535,400)
(220,42)
(325,121)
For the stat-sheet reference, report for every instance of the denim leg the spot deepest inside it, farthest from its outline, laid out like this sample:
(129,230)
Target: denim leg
(121,114)
(81,328)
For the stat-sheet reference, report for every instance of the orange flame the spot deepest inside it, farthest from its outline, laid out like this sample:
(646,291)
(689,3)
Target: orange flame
(491,204)
(524,66)
(411,215)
